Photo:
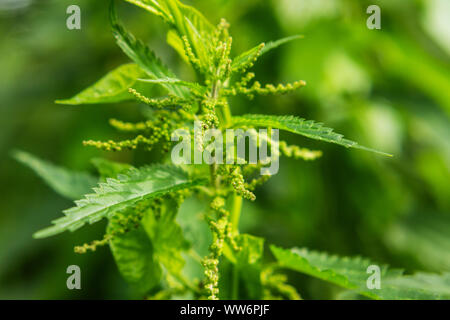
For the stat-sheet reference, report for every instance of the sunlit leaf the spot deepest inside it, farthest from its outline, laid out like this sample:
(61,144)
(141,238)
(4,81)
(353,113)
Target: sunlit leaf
(137,51)
(185,20)
(174,40)
(111,88)
(116,194)
(307,128)
(246,59)
(177,82)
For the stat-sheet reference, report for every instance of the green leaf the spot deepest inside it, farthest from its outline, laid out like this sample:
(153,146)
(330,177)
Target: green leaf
(242,270)
(69,184)
(184,14)
(186,20)
(108,168)
(275,44)
(174,40)
(153,250)
(177,82)
(244,60)
(143,56)
(189,22)
(152,6)
(420,286)
(166,236)
(117,194)
(351,273)
(197,232)
(111,88)
(307,128)
(134,254)
(174,12)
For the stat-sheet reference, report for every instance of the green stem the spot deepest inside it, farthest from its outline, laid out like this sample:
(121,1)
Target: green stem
(236,206)
(235,284)
(213,174)
(223,111)
(227,119)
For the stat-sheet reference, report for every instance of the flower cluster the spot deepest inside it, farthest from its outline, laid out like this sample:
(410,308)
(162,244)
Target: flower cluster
(220,77)
(221,230)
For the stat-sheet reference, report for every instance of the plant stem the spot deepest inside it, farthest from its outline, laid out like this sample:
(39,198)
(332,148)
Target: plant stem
(236,206)
(213,174)
(235,284)
(225,119)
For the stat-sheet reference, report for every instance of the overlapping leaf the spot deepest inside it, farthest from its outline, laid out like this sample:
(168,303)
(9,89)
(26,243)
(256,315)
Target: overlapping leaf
(175,42)
(307,128)
(196,87)
(69,184)
(245,59)
(352,273)
(240,276)
(143,56)
(196,230)
(185,20)
(117,194)
(108,168)
(111,88)
(189,22)
(251,55)
(169,9)
(420,286)
(154,7)
(133,252)
(167,237)
(145,255)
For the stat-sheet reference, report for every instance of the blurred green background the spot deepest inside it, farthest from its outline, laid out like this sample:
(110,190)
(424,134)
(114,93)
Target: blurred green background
(388,89)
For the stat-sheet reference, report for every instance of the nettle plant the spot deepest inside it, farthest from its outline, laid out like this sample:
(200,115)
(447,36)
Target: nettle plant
(174,230)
